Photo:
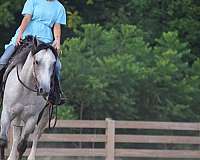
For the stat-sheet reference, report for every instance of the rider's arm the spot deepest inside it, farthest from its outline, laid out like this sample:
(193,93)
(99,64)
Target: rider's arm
(25,22)
(23,26)
(57,35)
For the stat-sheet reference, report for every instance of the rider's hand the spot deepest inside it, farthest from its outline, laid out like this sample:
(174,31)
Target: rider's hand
(19,39)
(56,45)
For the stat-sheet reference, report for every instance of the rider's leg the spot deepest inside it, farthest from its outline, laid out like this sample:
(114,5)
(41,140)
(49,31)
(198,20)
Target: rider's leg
(58,68)
(6,55)
(58,77)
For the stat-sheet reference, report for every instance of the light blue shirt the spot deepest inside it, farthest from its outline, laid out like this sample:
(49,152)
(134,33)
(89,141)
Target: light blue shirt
(44,15)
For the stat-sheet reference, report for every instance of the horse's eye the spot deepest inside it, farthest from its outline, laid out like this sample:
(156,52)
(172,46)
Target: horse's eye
(36,62)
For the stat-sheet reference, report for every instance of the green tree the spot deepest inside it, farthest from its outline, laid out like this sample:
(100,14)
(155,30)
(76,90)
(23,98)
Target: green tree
(152,16)
(116,73)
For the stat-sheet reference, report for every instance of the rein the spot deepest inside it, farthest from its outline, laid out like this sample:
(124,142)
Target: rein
(51,111)
(24,83)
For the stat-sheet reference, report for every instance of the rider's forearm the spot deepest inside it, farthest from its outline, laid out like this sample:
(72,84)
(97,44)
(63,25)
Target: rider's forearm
(57,32)
(24,23)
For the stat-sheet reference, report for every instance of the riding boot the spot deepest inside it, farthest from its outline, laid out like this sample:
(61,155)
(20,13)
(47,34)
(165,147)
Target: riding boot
(59,92)
(62,98)
(56,96)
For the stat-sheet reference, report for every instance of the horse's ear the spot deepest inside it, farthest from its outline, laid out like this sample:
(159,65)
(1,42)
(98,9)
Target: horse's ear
(35,44)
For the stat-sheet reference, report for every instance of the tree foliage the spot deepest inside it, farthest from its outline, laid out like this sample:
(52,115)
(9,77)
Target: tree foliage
(116,73)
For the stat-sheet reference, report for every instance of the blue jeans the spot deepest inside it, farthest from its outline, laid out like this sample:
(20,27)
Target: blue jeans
(58,68)
(7,54)
(10,50)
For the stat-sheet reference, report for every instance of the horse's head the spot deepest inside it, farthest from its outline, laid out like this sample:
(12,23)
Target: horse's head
(44,60)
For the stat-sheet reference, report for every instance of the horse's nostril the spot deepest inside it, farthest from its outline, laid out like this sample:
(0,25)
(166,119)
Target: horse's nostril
(41,90)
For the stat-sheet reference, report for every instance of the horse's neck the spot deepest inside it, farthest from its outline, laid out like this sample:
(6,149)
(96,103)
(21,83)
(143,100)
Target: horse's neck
(26,73)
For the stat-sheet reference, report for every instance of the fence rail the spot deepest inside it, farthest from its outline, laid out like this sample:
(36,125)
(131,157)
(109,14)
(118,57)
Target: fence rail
(157,137)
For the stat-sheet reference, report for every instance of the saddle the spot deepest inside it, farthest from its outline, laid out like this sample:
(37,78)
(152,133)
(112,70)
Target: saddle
(19,57)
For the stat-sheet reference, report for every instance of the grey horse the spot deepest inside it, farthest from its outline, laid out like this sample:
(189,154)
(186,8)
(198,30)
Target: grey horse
(21,106)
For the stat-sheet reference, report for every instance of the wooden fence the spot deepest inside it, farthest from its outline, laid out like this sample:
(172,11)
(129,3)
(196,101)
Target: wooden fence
(120,139)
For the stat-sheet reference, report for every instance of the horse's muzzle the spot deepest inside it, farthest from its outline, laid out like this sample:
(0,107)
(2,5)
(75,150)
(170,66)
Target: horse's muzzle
(43,92)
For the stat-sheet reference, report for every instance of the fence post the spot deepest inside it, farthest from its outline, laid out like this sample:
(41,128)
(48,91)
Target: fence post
(110,139)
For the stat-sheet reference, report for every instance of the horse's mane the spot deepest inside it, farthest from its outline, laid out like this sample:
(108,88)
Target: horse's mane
(42,46)
(29,44)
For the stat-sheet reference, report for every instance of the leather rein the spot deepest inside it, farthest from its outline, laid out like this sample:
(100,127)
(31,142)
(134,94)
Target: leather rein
(36,90)
(23,84)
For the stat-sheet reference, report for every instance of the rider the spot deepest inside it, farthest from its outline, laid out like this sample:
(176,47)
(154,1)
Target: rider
(43,19)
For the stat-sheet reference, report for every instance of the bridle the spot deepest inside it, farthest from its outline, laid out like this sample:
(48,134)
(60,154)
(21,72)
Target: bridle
(35,80)
(25,86)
